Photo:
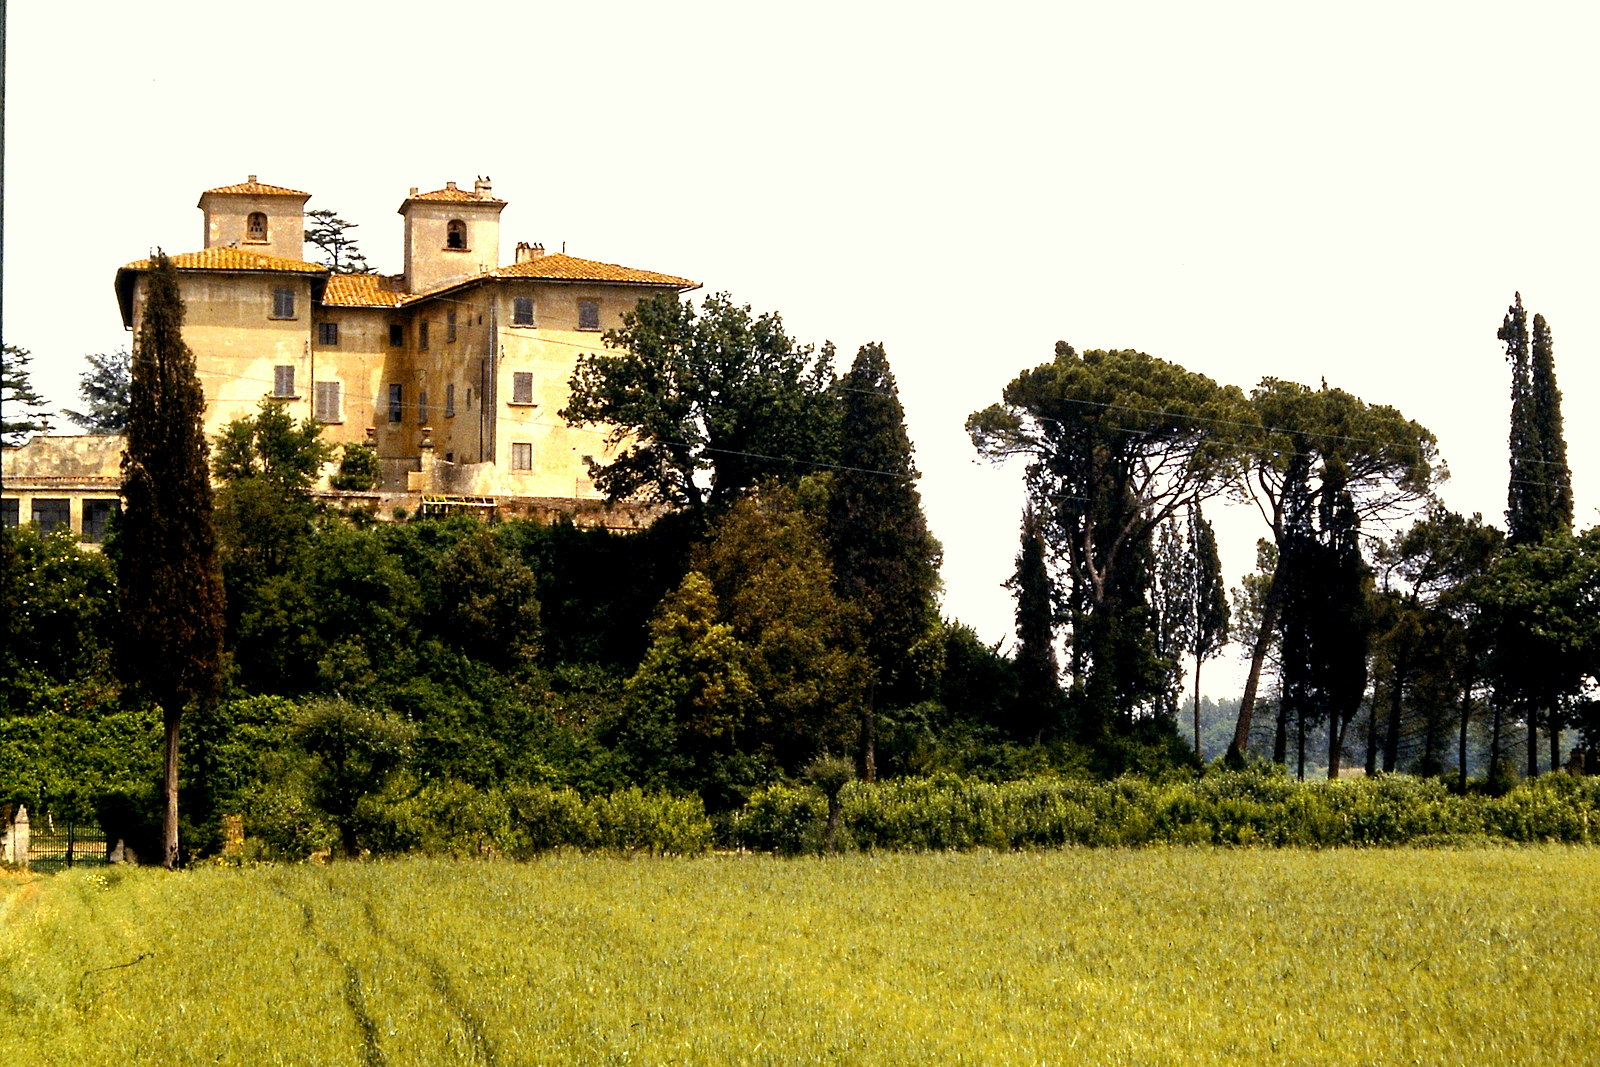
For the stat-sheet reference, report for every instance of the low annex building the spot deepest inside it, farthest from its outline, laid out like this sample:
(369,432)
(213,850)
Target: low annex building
(454,369)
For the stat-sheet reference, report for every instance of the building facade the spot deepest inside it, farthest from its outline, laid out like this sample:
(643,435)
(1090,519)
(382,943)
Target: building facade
(455,369)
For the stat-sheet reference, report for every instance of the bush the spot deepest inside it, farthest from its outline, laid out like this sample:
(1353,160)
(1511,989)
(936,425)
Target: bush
(784,819)
(635,821)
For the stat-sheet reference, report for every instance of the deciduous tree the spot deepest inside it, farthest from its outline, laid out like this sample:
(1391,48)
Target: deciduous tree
(703,404)
(169,586)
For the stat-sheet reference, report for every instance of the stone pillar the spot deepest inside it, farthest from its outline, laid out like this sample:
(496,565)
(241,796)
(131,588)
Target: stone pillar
(14,838)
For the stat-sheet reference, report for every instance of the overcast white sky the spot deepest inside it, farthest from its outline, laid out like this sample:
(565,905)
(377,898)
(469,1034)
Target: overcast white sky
(1351,191)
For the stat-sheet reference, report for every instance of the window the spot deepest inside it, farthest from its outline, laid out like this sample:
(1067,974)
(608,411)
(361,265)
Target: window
(450,328)
(326,399)
(522,387)
(522,311)
(397,335)
(51,513)
(11,512)
(450,400)
(283,380)
(422,408)
(422,336)
(588,314)
(283,303)
(456,234)
(327,333)
(255,227)
(396,403)
(521,456)
(97,518)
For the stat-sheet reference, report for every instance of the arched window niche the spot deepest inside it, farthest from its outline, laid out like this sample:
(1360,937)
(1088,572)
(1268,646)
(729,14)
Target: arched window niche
(456,235)
(255,227)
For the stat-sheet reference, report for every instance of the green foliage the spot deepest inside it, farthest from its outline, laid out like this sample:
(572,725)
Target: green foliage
(488,600)
(58,604)
(331,234)
(358,468)
(354,751)
(885,562)
(270,445)
(23,411)
(104,388)
(1116,442)
(171,620)
(716,396)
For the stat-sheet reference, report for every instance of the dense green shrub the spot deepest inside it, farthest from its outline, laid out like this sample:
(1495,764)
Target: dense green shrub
(784,819)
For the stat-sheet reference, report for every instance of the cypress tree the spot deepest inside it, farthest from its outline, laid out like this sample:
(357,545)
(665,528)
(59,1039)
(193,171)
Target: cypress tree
(885,561)
(1539,496)
(1038,682)
(1211,604)
(169,588)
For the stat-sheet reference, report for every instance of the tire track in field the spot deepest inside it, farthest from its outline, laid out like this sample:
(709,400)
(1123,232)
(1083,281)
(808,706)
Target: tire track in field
(482,1049)
(354,999)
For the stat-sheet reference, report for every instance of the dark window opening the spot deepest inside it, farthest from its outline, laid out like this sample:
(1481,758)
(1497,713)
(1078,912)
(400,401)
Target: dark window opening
(97,518)
(522,311)
(422,336)
(456,234)
(396,403)
(11,511)
(255,227)
(588,314)
(50,513)
(397,335)
(450,328)
(283,303)
(328,333)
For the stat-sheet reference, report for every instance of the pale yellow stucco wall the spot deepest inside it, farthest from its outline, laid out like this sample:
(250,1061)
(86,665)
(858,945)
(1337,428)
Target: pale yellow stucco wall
(226,216)
(429,263)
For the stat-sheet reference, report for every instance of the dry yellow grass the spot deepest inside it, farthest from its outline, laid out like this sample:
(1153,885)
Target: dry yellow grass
(1151,957)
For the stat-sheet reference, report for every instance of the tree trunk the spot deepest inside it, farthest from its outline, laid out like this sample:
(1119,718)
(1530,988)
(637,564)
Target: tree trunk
(1391,734)
(1280,735)
(171,714)
(1496,714)
(1466,716)
(1533,743)
(1335,743)
(869,737)
(1555,734)
(1258,656)
(1197,753)
(1300,744)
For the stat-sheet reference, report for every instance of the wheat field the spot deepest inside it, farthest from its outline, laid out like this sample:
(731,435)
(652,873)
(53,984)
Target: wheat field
(1155,956)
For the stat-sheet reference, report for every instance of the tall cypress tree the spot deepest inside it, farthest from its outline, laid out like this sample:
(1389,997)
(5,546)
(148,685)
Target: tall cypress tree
(1211,604)
(1539,497)
(170,591)
(1038,680)
(885,561)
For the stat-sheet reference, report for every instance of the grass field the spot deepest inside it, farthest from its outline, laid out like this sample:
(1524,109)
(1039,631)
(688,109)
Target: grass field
(1159,956)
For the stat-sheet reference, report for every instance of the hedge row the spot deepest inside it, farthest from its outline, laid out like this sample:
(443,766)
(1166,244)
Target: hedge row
(1252,808)
(1227,808)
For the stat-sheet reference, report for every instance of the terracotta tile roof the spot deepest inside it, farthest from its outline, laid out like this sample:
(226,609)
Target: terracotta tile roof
(456,196)
(365,290)
(227,258)
(256,188)
(562,267)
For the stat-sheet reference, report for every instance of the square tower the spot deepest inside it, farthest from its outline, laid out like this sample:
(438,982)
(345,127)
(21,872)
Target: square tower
(256,218)
(451,235)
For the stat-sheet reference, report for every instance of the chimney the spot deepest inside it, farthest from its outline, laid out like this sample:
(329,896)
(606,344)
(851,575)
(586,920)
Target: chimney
(450,186)
(250,180)
(413,190)
(482,189)
(526,253)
